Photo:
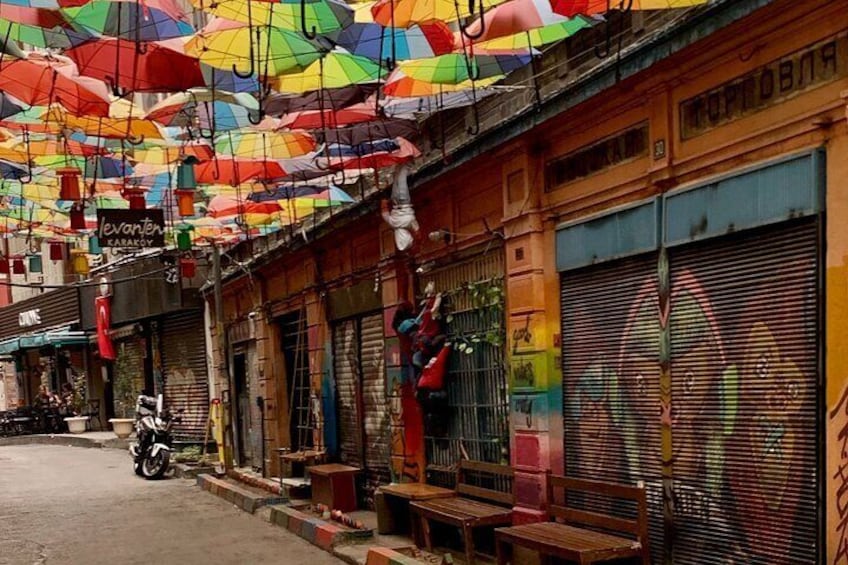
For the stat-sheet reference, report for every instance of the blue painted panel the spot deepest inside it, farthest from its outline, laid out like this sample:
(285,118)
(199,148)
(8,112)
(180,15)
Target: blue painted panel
(787,189)
(619,234)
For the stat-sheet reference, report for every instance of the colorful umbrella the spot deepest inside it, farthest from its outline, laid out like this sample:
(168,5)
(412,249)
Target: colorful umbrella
(8,107)
(589,7)
(327,99)
(412,108)
(261,50)
(539,36)
(315,119)
(261,145)
(118,61)
(316,16)
(9,170)
(147,20)
(229,170)
(404,13)
(379,43)
(38,27)
(206,109)
(41,80)
(401,85)
(336,69)
(455,68)
(227,80)
(368,131)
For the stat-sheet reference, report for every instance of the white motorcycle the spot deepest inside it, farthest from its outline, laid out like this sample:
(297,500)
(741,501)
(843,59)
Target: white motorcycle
(151,452)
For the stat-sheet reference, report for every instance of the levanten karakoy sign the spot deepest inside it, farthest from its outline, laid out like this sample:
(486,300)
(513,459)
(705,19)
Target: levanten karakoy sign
(131,228)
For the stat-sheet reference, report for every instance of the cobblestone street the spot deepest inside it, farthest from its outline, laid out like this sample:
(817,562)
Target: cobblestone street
(64,505)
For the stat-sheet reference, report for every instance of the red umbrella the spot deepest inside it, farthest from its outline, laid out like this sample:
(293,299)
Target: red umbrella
(144,67)
(378,159)
(311,119)
(227,170)
(41,80)
(573,7)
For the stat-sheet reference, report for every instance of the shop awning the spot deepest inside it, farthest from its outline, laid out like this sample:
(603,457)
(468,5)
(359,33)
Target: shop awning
(55,338)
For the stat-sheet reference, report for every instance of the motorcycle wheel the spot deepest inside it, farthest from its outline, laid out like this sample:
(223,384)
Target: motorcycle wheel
(137,468)
(155,467)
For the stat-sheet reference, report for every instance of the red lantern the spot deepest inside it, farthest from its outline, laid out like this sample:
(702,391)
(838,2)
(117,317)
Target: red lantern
(77,215)
(188,267)
(135,196)
(57,250)
(185,202)
(70,183)
(4,266)
(18,266)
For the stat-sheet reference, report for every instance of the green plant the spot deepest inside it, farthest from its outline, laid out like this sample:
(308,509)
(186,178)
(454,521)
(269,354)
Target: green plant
(123,384)
(79,383)
(486,298)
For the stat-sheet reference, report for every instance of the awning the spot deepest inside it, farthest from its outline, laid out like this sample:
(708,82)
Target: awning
(55,338)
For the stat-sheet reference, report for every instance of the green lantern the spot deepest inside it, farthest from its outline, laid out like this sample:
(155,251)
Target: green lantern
(185,173)
(35,264)
(184,239)
(94,246)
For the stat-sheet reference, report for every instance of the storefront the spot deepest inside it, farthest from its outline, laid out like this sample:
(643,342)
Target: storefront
(691,359)
(157,331)
(42,340)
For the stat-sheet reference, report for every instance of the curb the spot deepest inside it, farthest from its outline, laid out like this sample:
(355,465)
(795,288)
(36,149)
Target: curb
(246,500)
(65,440)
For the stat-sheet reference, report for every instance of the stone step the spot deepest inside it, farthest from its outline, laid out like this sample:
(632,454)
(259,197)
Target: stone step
(247,498)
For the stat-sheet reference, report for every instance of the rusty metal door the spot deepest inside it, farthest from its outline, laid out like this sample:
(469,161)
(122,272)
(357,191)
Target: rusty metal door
(348,377)
(611,380)
(183,347)
(375,404)
(744,372)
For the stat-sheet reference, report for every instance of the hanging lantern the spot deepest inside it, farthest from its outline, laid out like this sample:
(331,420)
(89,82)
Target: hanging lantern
(185,173)
(18,267)
(4,265)
(79,263)
(188,267)
(77,215)
(57,250)
(35,264)
(184,239)
(185,202)
(69,183)
(94,246)
(135,196)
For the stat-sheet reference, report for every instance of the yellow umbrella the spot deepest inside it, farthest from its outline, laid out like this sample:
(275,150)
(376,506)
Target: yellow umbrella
(266,145)
(13,151)
(325,16)
(336,69)
(106,127)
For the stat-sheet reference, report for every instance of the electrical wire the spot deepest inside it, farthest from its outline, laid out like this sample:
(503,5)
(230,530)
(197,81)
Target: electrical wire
(83,284)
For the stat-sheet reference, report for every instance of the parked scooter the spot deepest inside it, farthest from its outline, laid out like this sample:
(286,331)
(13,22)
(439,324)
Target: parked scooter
(151,452)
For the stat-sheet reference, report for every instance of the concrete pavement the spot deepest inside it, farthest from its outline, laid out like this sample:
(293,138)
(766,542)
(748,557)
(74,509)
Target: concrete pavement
(65,505)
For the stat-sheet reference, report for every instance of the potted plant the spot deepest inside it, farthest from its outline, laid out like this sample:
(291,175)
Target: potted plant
(77,421)
(125,395)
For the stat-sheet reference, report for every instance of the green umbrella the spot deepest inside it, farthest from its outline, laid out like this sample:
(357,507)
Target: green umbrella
(128,19)
(57,37)
(455,68)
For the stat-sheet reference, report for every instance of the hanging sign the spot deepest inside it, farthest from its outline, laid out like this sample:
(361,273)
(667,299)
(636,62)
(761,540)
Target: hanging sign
(104,315)
(131,228)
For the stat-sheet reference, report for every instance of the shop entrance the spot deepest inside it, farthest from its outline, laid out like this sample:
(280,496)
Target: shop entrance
(244,428)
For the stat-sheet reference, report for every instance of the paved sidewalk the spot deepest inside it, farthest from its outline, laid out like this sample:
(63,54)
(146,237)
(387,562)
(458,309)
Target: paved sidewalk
(87,439)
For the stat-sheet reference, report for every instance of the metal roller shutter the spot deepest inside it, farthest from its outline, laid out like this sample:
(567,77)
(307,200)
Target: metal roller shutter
(478,426)
(744,368)
(346,368)
(184,364)
(611,385)
(375,404)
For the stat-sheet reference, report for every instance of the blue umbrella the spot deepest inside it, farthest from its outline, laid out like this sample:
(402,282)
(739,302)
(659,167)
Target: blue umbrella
(12,170)
(106,168)
(378,43)
(284,192)
(7,107)
(227,81)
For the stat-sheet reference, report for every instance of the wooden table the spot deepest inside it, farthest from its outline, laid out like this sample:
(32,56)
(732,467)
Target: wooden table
(392,501)
(334,485)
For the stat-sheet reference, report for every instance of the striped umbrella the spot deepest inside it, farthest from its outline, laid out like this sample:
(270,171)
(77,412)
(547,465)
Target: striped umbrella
(150,20)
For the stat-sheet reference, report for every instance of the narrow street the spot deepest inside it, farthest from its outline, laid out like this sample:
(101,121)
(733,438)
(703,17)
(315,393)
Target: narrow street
(69,506)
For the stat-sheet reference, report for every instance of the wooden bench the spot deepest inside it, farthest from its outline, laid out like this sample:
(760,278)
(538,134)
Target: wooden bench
(583,536)
(473,506)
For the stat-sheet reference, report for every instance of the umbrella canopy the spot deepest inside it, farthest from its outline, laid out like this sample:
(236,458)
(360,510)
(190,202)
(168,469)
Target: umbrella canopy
(226,80)
(119,62)
(590,7)
(324,16)
(8,107)
(262,50)
(262,145)
(198,107)
(336,69)
(369,131)
(401,85)
(10,170)
(425,105)
(455,68)
(537,37)
(150,20)
(42,80)
(404,13)
(40,27)
(232,171)
(314,119)
(328,98)
(372,155)
(378,43)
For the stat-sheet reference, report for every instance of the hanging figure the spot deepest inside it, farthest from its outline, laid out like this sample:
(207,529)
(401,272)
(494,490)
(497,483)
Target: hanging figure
(400,215)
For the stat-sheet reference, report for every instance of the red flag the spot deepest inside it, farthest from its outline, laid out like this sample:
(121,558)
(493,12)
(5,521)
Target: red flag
(104,314)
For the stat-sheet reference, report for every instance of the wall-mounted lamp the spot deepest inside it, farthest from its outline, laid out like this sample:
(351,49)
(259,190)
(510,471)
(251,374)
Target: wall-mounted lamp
(441,234)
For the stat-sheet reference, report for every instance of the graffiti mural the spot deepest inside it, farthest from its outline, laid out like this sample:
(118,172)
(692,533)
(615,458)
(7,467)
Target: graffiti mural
(701,385)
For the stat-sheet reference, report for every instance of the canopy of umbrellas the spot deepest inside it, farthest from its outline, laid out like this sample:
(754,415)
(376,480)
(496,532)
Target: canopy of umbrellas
(274,104)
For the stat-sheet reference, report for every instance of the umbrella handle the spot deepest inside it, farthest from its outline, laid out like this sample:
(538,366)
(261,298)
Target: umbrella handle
(113,86)
(309,34)
(133,140)
(464,28)
(260,115)
(240,74)
(28,178)
(216,173)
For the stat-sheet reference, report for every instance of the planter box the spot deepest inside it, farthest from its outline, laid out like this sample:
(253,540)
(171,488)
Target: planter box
(76,424)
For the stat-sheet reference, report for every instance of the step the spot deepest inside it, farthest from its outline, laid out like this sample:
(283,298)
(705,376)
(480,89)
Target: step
(247,498)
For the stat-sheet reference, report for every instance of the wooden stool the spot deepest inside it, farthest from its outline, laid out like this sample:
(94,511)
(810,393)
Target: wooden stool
(392,502)
(334,485)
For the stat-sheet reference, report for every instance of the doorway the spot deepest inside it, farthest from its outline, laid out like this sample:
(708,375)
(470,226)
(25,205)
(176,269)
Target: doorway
(243,427)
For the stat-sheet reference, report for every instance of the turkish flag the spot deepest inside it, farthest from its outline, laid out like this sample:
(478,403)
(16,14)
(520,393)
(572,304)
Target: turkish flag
(104,342)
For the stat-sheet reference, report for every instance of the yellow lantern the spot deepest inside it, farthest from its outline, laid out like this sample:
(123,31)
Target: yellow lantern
(79,262)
